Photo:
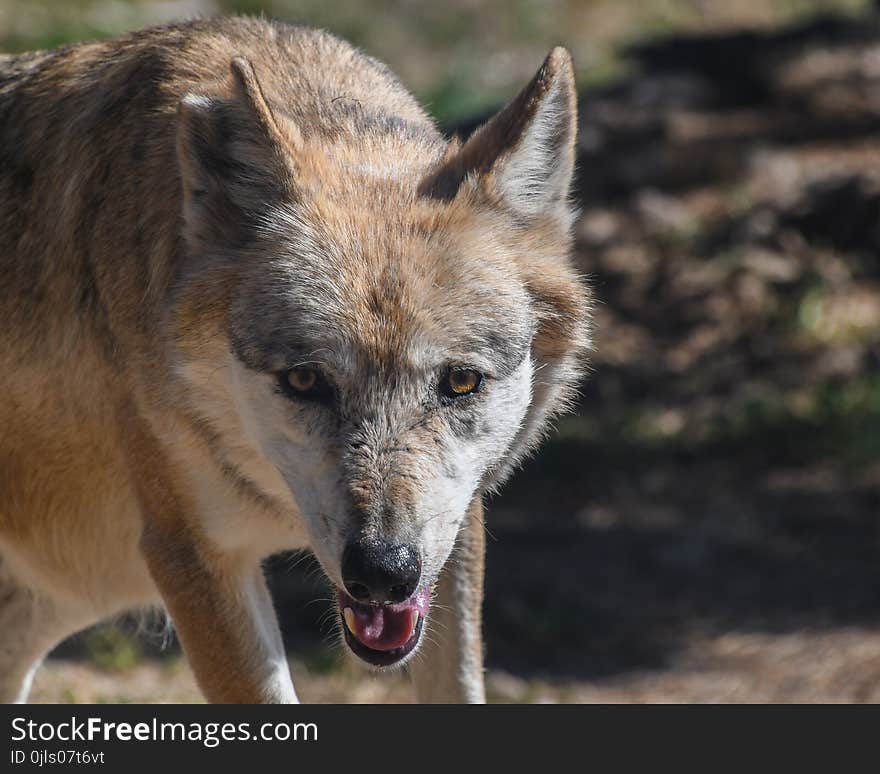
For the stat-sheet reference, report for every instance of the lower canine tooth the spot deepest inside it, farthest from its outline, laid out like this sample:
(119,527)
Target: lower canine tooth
(415,619)
(348,615)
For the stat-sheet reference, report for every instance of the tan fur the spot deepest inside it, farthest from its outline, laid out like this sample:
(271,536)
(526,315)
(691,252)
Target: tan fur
(132,172)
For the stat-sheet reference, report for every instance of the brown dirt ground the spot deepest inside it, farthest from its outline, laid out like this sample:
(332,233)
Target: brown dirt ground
(840,667)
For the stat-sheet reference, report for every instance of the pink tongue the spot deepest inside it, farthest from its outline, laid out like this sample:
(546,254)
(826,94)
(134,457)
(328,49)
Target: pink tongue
(383,628)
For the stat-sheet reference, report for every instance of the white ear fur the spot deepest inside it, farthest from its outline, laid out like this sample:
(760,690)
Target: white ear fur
(526,152)
(535,176)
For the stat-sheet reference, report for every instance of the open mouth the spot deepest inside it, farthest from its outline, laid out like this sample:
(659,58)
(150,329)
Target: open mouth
(382,635)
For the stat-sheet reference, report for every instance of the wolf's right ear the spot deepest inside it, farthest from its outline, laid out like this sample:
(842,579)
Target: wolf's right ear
(235,158)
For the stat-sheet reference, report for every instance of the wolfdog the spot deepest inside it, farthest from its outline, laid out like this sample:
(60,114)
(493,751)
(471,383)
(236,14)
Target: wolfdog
(253,300)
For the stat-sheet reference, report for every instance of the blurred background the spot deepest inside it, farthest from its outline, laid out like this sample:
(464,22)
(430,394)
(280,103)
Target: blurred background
(706,527)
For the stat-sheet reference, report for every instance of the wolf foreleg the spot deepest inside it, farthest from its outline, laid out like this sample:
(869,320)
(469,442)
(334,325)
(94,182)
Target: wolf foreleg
(449,667)
(224,617)
(219,602)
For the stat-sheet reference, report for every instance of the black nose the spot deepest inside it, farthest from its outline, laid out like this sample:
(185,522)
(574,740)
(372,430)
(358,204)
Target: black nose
(379,571)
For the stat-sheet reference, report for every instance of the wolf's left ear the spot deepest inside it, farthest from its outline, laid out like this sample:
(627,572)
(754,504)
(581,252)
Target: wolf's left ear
(235,157)
(526,152)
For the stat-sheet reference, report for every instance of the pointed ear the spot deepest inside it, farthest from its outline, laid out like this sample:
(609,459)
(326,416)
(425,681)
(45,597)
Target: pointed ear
(526,152)
(235,157)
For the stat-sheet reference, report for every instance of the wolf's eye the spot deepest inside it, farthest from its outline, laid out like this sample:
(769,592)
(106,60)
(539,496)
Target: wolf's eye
(302,379)
(459,382)
(305,382)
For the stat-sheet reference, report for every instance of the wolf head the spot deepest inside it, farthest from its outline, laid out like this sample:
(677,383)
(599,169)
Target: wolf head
(397,319)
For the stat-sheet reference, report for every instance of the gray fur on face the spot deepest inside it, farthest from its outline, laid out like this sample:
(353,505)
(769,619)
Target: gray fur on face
(387,455)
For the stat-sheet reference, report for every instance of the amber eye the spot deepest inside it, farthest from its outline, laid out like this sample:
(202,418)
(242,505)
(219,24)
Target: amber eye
(302,379)
(305,381)
(459,382)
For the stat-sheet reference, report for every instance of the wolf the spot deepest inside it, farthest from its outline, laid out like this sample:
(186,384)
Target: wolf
(255,301)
